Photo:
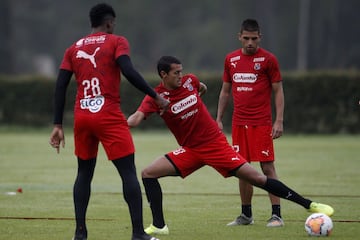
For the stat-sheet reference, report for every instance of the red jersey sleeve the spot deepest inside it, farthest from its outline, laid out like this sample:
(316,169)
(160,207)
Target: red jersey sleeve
(148,106)
(66,62)
(122,47)
(274,69)
(226,75)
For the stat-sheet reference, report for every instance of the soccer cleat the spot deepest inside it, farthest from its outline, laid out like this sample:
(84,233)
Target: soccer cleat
(144,237)
(154,230)
(275,221)
(79,237)
(241,220)
(321,208)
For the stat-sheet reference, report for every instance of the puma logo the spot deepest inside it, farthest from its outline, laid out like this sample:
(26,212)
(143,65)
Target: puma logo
(289,195)
(85,55)
(265,152)
(233,64)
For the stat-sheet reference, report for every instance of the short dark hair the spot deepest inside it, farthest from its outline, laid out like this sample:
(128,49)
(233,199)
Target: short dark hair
(100,13)
(250,25)
(164,63)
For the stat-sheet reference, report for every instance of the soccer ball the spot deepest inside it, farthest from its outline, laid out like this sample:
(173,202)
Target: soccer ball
(318,224)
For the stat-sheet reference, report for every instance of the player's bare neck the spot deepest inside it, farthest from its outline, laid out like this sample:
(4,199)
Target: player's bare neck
(249,53)
(168,86)
(98,30)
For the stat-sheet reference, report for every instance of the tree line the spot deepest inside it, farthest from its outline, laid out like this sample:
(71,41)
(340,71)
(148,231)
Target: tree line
(303,34)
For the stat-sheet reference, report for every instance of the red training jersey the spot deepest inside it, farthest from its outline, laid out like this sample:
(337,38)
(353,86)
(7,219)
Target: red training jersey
(187,117)
(92,60)
(251,77)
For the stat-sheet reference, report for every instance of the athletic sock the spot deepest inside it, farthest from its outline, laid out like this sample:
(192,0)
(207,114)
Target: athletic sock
(246,210)
(281,190)
(154,197)
(276,210)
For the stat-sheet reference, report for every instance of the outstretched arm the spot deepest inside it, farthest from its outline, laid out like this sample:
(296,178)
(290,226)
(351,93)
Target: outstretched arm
(135,119)
(138,81)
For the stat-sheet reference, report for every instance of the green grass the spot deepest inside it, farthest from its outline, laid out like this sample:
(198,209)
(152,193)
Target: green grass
(323,168)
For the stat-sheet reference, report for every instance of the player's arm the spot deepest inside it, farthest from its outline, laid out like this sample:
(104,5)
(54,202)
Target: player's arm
(279,102)
(62,83)
(223,102)
(135,119)
(57,135)
(138,81)
(202,89)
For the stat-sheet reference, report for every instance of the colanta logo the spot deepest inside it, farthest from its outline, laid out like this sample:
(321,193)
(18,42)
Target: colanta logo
(184,104)
(244,77)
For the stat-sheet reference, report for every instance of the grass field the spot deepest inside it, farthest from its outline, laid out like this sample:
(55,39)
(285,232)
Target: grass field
(323,168)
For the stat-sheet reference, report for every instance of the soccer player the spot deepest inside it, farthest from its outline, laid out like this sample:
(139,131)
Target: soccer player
(97,60)
(250,75)
(201,143)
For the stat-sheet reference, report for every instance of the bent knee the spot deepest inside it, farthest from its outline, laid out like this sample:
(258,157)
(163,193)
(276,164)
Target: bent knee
(257,179)
(145,173)
(150,172)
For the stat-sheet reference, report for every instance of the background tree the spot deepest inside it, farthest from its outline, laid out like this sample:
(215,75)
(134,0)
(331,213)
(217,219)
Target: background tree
(6,58)
(304,34)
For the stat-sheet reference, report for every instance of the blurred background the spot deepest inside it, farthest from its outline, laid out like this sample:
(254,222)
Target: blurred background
(316,42)
(304,34)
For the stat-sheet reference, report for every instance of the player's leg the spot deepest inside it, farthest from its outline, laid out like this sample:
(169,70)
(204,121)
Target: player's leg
(86,148)
(263,151)
(113,132)
(181,162)
(241,145)
(81,195)
(132,194)
(246,193)
(159,168)
(250,174)
(268,168)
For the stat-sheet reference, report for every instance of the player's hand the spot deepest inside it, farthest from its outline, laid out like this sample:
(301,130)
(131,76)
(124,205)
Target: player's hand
(220,124)
(162,103)
(277,129)
(57,138)
(202,89)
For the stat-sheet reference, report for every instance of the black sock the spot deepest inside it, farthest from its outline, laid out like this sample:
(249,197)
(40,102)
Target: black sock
(276,210)
(154,197)
(246,210)
(281,190)
(131,191)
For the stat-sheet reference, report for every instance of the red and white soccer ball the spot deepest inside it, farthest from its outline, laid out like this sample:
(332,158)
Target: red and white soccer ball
(318,224)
